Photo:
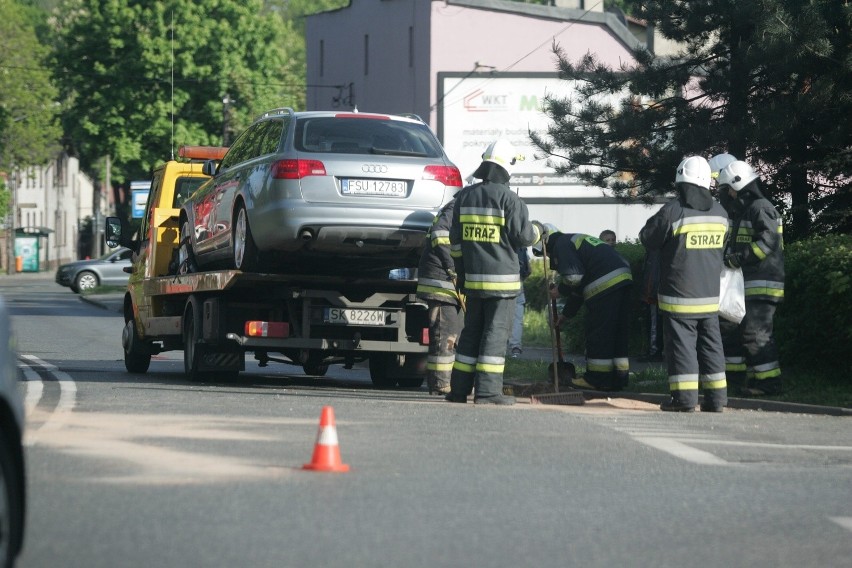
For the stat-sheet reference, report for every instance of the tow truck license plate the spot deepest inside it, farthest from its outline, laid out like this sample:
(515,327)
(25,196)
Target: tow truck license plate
(349,316)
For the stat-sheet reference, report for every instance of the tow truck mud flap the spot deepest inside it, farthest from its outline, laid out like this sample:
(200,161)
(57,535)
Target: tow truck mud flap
(209,362)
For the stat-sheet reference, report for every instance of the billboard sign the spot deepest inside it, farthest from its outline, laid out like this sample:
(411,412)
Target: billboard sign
(139,191)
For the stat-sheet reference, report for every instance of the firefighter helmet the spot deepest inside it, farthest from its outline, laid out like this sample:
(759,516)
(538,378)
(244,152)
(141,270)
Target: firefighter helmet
(502,153)
(695,170)
(737,175)
(720,162)
(548,230)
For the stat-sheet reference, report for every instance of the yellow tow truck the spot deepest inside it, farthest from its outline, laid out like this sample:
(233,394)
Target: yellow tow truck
(217,317)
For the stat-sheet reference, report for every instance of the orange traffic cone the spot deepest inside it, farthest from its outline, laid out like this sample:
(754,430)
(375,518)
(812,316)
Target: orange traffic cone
(326,451)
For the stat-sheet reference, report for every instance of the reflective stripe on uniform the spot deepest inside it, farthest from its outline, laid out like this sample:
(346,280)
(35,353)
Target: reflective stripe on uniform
(688,305)
(490,364)
(600,365)
(764,288)
(683,382)
(713,381)
(502,282)
(465,363)
(766,370)
(440,362)
(606,282)
(483,215)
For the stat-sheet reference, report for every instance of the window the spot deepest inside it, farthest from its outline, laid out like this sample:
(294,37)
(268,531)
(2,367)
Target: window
(366,54)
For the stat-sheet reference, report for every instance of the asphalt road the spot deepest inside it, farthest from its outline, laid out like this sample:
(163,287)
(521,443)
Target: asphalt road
(153,470)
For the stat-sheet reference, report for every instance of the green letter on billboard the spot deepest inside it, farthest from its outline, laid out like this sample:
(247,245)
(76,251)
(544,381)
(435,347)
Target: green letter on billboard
(529,103)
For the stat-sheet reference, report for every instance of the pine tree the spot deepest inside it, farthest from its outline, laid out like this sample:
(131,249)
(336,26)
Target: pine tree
(769,81)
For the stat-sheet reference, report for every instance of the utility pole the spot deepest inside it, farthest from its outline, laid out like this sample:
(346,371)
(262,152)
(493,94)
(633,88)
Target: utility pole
(226,101)
(10,228)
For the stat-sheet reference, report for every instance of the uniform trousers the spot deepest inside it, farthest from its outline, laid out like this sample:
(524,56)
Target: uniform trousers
(763,368)
(481,349)
(695,357)
(445,324)
(607,338)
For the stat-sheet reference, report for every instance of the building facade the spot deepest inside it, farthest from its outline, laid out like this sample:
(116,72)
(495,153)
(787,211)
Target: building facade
(52,208)
(457,64)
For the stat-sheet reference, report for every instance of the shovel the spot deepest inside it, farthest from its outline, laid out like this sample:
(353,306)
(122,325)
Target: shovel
(560,369)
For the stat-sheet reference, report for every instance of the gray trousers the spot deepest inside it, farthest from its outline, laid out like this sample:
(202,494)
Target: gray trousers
(481,350)
(695,358)
(445,323)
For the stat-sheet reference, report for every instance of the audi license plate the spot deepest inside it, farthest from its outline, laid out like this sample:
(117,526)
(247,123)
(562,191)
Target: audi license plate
(375,187)
(349,316)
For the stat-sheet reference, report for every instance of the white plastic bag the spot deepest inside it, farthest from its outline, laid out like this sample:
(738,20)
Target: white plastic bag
(732,295)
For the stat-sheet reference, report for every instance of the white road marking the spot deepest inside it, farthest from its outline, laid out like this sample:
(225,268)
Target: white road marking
(67,399)
(35,388)
(845,522)
(681,451)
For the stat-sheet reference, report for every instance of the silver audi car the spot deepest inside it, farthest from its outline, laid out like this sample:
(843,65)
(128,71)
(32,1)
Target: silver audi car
(319,192)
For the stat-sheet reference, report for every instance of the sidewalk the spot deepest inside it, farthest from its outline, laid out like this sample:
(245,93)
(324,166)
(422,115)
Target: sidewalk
(546,354)
(114,303)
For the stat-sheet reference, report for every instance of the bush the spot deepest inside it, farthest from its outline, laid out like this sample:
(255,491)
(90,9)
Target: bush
(813,325)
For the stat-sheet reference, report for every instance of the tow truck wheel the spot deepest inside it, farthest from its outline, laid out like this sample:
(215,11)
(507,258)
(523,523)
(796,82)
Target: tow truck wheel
(137,358)
(192,350)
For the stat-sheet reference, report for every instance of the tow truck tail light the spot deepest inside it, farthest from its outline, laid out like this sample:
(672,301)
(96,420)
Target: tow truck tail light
(448,175)
(424,336)
(267,329)
(297,169)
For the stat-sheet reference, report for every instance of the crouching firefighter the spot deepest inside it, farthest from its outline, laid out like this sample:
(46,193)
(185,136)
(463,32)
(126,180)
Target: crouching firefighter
(436,284)
(592,271)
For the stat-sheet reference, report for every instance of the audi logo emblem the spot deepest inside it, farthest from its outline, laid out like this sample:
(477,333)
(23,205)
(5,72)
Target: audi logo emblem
(374,169)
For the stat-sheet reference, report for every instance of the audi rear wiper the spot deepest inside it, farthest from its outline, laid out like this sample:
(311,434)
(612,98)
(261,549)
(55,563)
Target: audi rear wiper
(389,152)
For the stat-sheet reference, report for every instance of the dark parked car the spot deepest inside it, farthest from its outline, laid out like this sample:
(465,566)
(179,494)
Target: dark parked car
(12,471)
(321,192)
(107,270)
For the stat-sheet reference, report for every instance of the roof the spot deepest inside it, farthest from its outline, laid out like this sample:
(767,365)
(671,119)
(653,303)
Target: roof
(606,19)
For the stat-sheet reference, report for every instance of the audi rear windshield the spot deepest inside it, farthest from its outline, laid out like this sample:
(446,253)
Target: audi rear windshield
(337,135)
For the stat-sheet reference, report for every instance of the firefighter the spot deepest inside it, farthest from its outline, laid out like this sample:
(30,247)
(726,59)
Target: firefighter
(735,361)
(490,223)
(436,284)
(689,231)
(756,245)
(592,271)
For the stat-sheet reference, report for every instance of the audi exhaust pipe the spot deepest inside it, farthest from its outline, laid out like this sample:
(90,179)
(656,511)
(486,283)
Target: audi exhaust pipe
(306,235)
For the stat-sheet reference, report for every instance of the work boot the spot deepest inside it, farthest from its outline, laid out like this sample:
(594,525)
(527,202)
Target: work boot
(766,387)
(456,397)
(673,405)
(500,399)
(710,407)
(439,387)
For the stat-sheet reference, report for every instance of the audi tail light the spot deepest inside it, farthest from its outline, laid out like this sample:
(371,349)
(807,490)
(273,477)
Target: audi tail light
(297,169)
(448,175)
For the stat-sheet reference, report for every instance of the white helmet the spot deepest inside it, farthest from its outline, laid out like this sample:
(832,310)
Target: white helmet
(549,229)
(694,169)
(720,162)
(502,153)
(737,175)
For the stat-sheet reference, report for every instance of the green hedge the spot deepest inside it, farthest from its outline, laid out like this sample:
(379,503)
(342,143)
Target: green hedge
(813,326)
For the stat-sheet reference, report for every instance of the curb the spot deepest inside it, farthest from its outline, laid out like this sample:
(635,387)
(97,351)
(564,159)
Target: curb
(114,303)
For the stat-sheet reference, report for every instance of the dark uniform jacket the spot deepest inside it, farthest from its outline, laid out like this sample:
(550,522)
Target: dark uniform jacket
(434,280)
(758,241)
(689,232)
(588,268)
(490,223)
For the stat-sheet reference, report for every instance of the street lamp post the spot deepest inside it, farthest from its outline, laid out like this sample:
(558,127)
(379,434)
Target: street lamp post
(226,101)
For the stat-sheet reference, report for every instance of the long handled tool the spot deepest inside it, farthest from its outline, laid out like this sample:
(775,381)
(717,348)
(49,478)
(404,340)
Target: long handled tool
(560,370)
(571,397)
